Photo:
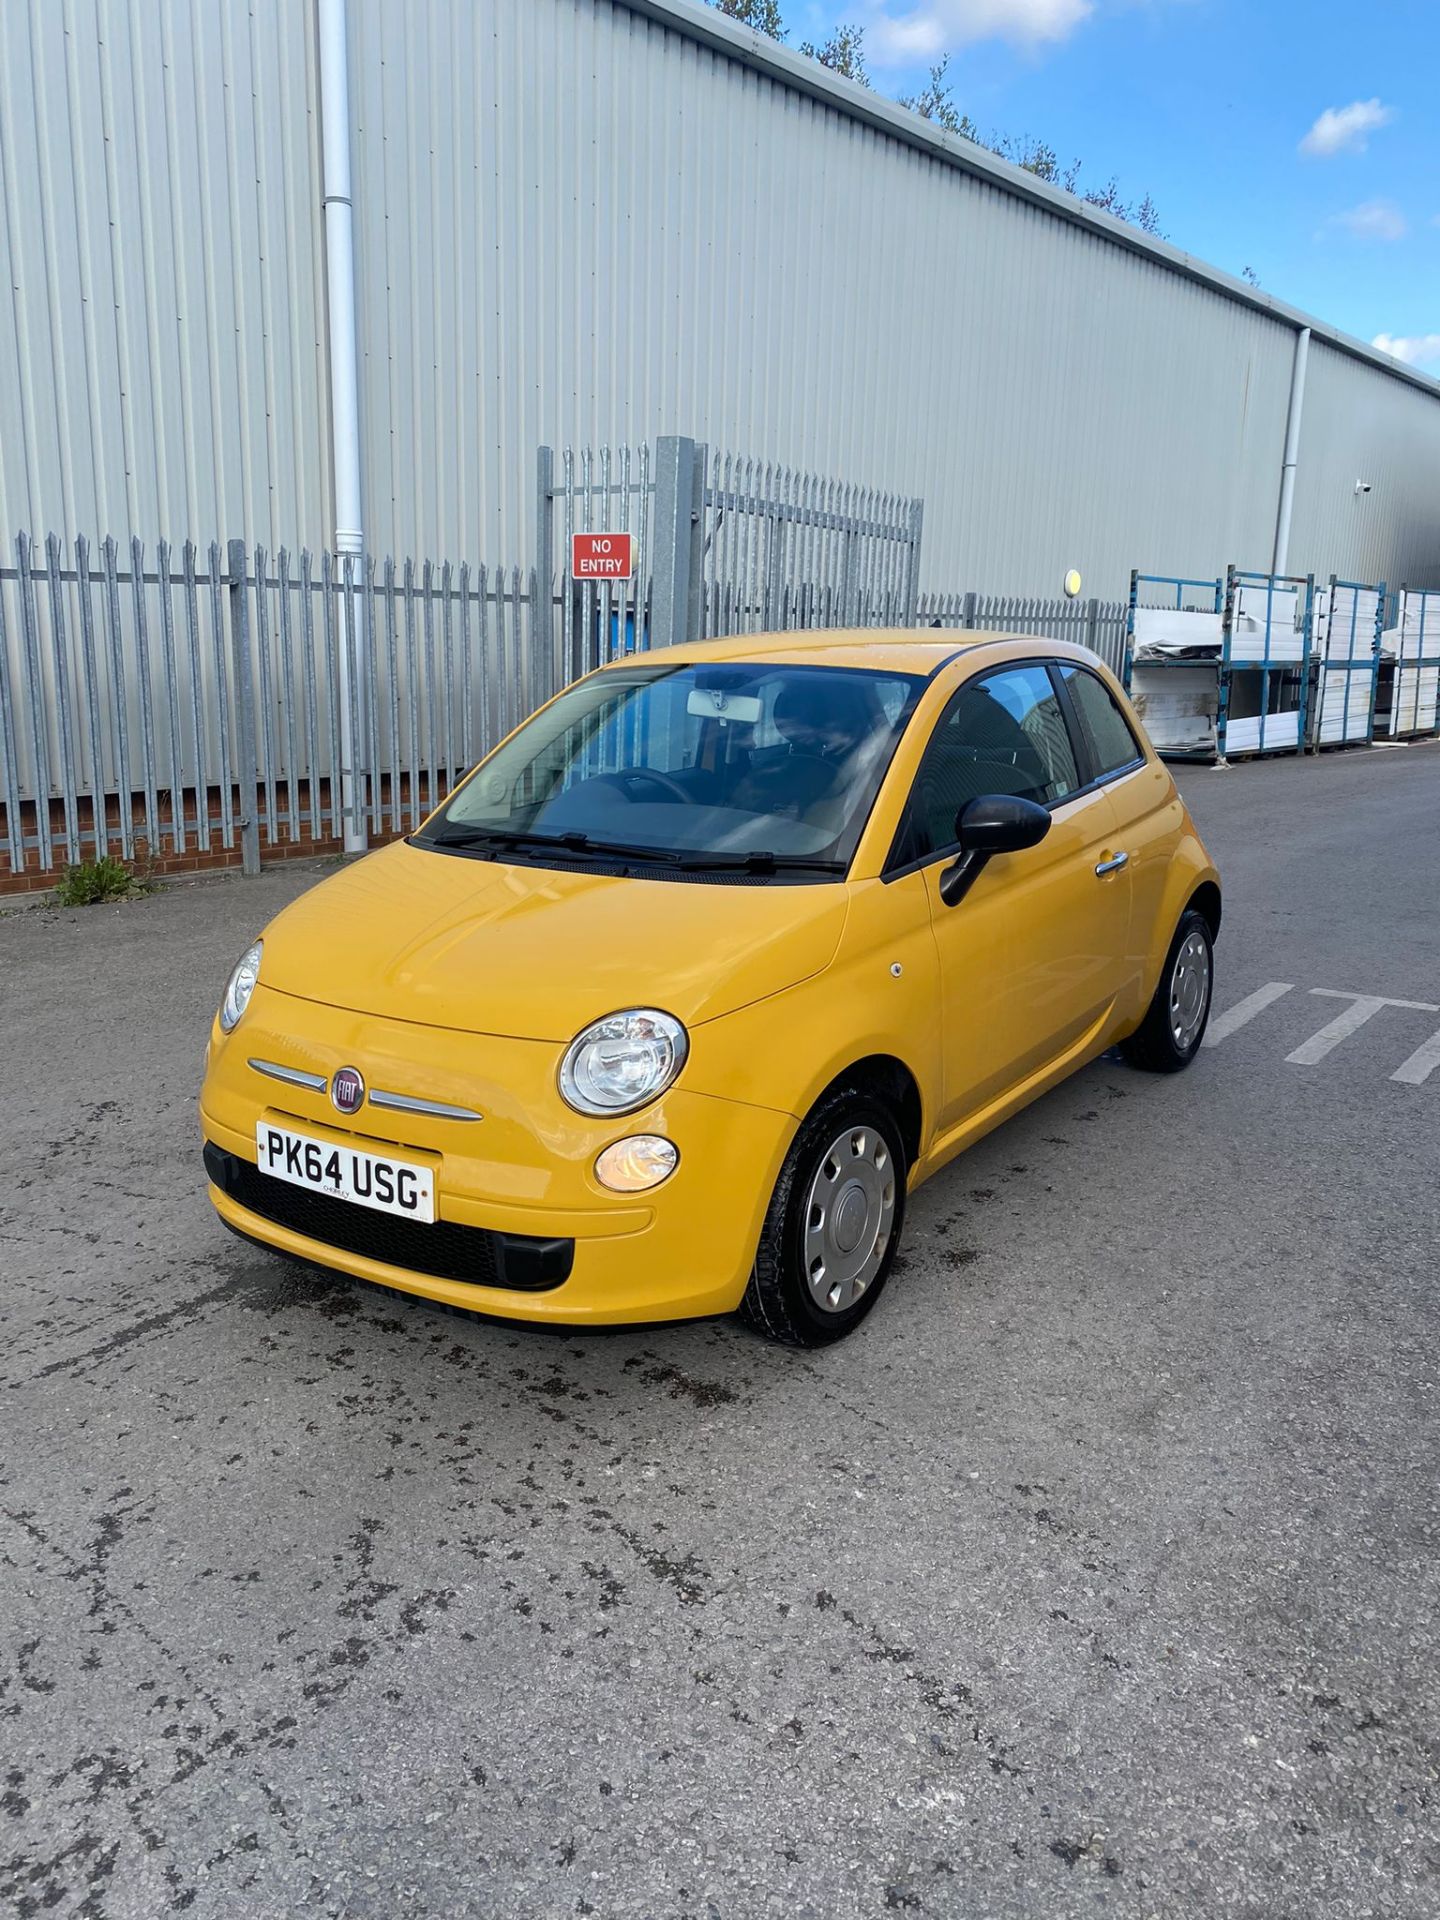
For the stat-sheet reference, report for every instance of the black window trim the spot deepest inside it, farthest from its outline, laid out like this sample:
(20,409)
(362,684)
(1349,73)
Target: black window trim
(1079,742)
(1080,735)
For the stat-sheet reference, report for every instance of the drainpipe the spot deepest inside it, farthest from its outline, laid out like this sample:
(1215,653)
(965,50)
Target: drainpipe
(344,382)
(1292,450)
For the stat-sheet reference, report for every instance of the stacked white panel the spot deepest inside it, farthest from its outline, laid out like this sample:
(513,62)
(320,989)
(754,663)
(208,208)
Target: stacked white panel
(1268,624)
(1183,633)
(1178,706)
(1280,730)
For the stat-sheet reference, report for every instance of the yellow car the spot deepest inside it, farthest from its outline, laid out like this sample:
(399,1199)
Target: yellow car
(675,999)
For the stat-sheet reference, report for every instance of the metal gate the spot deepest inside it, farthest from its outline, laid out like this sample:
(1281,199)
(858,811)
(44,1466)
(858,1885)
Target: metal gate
(784,549)
(585,623)
(720,545)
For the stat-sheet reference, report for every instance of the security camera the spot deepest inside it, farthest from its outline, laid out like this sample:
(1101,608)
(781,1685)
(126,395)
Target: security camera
(1362,486)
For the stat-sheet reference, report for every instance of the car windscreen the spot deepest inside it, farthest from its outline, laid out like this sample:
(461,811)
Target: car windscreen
(736,764)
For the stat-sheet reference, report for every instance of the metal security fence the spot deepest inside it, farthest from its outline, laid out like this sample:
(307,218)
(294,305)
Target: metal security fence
(181,704)
(1097,624)
(241,699)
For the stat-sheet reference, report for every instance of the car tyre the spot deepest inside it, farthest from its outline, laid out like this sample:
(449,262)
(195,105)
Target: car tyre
(1169,1037)
(833,1223)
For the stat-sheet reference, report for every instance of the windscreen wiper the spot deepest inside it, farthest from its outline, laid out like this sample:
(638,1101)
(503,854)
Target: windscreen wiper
(576,843)
(759,862)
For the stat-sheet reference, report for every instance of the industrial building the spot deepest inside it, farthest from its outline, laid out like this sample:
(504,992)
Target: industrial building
(575,222)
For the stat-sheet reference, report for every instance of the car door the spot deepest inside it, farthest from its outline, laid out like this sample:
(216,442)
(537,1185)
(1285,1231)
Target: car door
(1032,958)
(1148,815)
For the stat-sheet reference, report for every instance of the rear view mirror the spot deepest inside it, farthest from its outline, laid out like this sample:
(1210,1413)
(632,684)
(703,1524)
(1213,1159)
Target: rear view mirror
(714,703)
(989,824)
(1000,823)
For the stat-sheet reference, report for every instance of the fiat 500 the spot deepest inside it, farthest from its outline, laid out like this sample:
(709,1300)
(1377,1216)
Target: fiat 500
(670,1005)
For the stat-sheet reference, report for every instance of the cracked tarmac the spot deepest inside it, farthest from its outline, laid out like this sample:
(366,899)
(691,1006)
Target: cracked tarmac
(1096,1575)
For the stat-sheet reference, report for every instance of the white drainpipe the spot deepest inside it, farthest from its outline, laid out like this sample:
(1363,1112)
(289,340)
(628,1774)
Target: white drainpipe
(1292,451)
(344,373)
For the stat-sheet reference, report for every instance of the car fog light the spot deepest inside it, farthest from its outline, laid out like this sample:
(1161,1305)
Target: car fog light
(630,1166)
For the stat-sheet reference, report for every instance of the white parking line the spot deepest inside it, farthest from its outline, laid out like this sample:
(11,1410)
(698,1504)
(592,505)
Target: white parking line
(1415,1071)
(1363,1007)
(1244,1010)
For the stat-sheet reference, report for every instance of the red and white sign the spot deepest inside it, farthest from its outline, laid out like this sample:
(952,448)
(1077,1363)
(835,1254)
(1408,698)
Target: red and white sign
(602,556)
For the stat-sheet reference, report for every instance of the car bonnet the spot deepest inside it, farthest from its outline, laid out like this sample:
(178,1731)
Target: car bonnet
(535,952)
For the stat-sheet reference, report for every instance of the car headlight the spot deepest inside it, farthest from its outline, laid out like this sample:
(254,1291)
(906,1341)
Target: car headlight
(623,1062)
(240,987)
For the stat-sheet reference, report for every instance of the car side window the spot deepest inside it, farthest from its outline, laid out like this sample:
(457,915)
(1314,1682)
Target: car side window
(1108,734)
(1002,733)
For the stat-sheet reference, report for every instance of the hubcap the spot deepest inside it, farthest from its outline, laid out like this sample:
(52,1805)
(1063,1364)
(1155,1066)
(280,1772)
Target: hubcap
(1189,990)
(849,1214)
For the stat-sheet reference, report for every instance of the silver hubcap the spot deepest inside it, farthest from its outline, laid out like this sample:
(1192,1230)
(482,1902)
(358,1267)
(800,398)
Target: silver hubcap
(1189,990)
(849,1212)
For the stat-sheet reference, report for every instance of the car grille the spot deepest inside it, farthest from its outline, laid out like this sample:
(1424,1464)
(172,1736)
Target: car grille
(440,1249)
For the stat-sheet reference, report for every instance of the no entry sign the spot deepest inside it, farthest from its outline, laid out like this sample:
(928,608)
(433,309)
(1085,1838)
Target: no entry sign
(602,556)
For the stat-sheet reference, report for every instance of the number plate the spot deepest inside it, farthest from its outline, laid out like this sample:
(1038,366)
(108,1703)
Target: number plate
(346,1173)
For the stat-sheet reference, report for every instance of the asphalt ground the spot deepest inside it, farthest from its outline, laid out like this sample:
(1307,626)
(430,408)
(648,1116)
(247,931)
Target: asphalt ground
(1097,1574)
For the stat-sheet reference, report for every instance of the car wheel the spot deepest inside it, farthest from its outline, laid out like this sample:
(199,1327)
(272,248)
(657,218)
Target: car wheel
(833,1223)
(1169,1036)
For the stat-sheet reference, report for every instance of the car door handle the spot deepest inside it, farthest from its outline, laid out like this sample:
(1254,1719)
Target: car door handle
(1112,865)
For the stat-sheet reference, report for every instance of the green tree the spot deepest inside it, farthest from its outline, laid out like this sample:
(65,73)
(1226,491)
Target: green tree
(1039,157)
(936,102)
(842,53)
(763,15)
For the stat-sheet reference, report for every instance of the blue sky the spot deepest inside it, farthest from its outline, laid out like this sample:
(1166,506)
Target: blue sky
(1212,107)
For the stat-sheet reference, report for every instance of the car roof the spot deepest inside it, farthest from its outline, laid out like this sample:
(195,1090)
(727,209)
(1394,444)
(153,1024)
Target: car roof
(909,650)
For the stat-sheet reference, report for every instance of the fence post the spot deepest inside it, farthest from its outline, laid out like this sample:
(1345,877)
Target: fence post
(543,609)
(774,615)
(246,765)
(1092,624)
(672,603)
(912,580)
(967,611)
(850,580)
(695,627)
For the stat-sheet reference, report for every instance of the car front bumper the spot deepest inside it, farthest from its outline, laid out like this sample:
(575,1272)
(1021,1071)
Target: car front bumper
(550,1243)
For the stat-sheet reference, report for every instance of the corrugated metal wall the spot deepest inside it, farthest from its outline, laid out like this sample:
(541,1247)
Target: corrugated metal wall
(162,317)
(1359,425)
(576,223)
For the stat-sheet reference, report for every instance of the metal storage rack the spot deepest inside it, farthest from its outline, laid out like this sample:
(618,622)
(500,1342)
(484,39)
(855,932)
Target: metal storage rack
(1349,622)
(1178,623)
(1279,689)
(1410,663)
(1245,656)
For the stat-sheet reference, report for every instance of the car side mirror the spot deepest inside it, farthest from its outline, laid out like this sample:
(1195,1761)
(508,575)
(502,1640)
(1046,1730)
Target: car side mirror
(1000,823)
(989,824)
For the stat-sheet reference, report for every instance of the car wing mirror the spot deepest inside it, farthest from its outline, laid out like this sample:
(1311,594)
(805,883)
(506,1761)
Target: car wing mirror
(991,823)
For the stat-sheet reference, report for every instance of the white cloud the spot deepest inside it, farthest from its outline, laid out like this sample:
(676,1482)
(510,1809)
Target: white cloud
(1416,349)
(922,33)
(1346,129)
(1372,220)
